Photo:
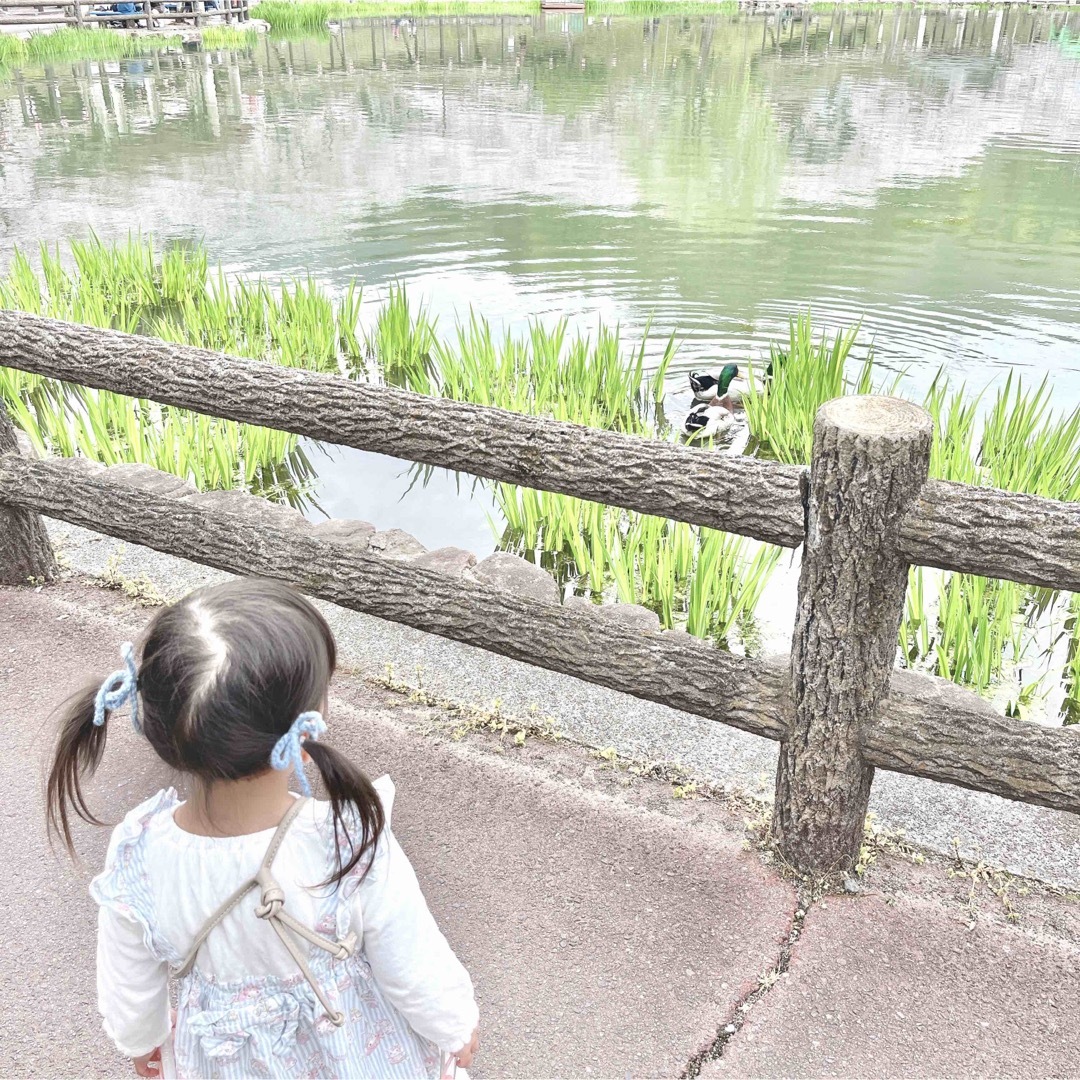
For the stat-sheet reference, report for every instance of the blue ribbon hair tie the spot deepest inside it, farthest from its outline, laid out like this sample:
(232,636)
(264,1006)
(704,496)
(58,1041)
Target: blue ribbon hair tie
(288,750)
(120,687)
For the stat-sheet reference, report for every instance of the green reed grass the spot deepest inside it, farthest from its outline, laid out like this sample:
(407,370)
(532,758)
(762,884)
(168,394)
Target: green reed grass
(807,372)
(131,287)
(312,16)
(965,628)
(173,295)
(78,43)
(228,37)
(403,343)
(709,581)
(1070,709)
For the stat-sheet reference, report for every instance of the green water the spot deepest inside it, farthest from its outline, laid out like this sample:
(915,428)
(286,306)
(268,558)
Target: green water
(917,171)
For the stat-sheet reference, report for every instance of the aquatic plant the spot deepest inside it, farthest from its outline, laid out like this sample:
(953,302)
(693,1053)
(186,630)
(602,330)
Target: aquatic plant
(962,627)
(708,580)
(403,343)
(78,43)
(228,37)
(579,380)
(1070,707)
(130,287)
(312,16)
(801,375)
(1018,444)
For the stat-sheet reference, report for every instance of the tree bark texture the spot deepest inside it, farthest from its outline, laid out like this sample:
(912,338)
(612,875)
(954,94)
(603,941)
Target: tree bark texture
(247,535)
(999,534)
(871,457)
(735,494)
(26,554)
(931,727)
(955,527)
(927,727)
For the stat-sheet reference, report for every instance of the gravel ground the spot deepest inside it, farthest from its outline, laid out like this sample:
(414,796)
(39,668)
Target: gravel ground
(1026,840)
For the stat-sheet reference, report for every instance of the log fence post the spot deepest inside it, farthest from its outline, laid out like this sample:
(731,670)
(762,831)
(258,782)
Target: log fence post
(870,460)
(26,553)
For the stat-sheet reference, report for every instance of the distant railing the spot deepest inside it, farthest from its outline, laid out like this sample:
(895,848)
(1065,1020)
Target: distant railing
(864,507)
(149,14)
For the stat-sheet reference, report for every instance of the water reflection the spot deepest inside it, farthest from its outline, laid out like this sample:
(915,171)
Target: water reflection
(917,171)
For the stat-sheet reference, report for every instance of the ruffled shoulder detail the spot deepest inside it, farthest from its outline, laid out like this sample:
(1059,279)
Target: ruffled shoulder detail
(124,884)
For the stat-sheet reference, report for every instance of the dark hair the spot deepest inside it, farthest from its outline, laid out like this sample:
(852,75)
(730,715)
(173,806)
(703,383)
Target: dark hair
(223,675)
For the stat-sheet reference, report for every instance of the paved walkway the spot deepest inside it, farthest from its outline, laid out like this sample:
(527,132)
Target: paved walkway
(611,929)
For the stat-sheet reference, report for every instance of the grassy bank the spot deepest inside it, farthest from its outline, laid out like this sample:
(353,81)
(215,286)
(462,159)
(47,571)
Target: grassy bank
(78,43)
(968,629)
(103,43)
(228,37)
(311,16)
(294,16)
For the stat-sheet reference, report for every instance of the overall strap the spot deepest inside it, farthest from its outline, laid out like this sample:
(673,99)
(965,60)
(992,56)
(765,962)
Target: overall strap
(271,908)
(215,919)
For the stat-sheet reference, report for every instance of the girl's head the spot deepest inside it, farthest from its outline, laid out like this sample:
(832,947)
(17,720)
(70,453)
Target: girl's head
(222,677)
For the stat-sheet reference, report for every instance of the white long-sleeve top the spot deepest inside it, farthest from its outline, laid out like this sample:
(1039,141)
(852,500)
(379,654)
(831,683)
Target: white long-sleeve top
(161,884)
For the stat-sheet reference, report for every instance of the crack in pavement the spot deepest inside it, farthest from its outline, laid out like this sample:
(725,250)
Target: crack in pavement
(715,1050)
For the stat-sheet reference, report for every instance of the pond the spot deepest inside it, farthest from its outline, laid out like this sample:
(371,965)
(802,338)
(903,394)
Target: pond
(915,171)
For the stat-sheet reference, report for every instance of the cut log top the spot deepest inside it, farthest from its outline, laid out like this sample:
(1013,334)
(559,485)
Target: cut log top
(876,415)
(511,607)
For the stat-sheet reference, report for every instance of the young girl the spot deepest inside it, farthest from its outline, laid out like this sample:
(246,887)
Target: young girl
(296,930)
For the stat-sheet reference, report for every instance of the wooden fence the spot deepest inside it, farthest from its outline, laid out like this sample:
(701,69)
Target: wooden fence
(149,14)
(865,510)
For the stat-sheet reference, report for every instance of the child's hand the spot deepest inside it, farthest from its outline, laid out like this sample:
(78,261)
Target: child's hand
(149,1064)
(465,1054)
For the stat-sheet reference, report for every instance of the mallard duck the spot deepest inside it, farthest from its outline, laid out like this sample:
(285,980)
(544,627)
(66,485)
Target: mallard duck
(726,383)
(708,419)
(777,359)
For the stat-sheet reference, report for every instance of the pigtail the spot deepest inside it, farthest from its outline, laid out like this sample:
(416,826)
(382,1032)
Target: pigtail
(357,810)
(79,749)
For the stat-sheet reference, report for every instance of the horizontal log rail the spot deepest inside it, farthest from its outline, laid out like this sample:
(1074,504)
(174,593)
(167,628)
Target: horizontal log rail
(925,727)
(755,498)
(995,533)
(246,535)
(985,531)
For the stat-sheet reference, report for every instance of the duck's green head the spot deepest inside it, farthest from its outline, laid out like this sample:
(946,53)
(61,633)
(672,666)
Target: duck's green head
(727,373)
